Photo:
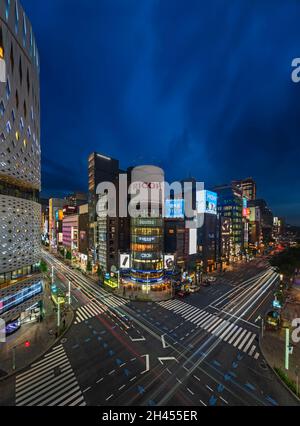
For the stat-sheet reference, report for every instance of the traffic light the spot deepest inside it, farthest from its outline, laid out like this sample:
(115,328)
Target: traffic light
(27,344)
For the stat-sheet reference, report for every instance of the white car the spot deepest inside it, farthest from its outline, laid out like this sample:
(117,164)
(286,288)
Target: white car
(194,289)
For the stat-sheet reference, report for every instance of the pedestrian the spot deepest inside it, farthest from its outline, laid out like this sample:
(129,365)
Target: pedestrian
(64,323)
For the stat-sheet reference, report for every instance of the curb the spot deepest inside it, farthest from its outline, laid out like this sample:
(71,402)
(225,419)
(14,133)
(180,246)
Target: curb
(275,373)
(9,376)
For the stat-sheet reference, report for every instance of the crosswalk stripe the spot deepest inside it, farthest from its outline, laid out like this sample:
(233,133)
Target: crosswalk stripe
(215,325)
(44,365)
(38,377)
(197,319)
(57,348)
(195,315)
(56,397)
(40,385)
(79,316)
(32,400)
(256,356)
(252,350)
(226,330)
(91,312)
(71,398)
(223,329)
(230,334)
(205,320)
(236,334)
(239,338)
(249,343)
(44,384)
(244,340)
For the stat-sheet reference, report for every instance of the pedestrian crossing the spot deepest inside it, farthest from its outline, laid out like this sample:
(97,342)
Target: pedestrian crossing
(229,332)
(49,382)
(94,308)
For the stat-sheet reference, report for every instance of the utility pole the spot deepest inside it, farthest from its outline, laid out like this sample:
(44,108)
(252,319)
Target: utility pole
(287,347)
(52,274)
(58,314)
(69,293)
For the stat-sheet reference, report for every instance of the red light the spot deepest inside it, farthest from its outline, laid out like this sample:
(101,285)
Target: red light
(27,344)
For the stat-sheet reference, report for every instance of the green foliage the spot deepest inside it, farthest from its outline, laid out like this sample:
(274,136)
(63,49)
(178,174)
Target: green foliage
(89,266)
(69,255)
(289,382)
(43,266)
(100,273)
(287,261)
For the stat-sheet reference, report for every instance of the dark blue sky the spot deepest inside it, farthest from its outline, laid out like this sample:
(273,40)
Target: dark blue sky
(199,88)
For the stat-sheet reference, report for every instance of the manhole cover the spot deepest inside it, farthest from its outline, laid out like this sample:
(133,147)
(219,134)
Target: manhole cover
(57,371)
(63,341)
(263,366)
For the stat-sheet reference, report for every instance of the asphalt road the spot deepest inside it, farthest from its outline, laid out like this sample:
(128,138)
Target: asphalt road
(201,350)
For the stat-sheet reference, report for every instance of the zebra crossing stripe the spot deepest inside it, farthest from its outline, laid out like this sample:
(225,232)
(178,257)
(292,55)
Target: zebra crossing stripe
(252,350)
(223,329)
(239,338)
(50,381)
(238,331)
(245,340)
(249,343)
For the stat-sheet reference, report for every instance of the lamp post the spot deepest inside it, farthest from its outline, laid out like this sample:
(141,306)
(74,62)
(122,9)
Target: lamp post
(69,293)
(287,347)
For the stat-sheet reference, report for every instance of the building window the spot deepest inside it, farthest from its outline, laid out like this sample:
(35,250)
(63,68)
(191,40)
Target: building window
(12,61)
(2,108)
(16,17)
(24,30)
(7,7)
(8,88)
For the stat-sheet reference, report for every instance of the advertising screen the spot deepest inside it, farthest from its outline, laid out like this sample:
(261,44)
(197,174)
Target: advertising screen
(174,209)
(125,261)
(207,202)
(168,261)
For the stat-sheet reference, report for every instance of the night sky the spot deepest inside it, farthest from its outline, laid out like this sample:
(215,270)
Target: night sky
(200,88)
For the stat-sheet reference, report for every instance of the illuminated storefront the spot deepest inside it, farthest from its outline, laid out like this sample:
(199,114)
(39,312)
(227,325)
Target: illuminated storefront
(147,236)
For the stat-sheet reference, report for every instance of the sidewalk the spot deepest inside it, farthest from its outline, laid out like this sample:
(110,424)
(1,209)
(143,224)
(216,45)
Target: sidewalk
(40,335)
(273,342)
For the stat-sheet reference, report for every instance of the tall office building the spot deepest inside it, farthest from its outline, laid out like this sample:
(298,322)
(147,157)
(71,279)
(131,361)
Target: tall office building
(107,235)
(247,186)
(147,230)
(230,205)
(20,179)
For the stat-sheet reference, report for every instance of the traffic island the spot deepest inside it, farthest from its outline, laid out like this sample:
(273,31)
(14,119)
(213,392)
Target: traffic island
(33,340)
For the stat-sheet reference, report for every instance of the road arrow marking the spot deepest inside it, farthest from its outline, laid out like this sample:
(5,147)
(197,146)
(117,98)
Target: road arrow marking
(163,359)
(147,363)
(163,341)
(258,318)
(139,339)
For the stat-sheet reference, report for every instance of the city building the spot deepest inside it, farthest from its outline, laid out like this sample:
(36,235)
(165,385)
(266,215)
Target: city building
(70,226)
(230,205)
(83,224)
(100,169)
(21,285)
(76,199)
(248,187)
(45,221)
(56,214)
(266,218)
(147,234)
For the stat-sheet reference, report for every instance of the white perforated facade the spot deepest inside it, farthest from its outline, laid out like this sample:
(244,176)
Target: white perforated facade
(20,174)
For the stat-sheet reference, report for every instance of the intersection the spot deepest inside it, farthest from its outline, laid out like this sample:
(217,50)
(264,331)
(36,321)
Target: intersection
(202,350)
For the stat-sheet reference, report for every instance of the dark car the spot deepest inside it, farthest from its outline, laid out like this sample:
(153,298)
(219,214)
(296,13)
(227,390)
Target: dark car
(182,293)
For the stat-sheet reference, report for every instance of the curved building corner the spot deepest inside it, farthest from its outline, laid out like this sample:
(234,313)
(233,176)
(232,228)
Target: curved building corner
(20,157)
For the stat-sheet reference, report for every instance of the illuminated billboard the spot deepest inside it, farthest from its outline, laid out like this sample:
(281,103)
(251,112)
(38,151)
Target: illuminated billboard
(125,261)
(169,261)
(174,209)
(207,202)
